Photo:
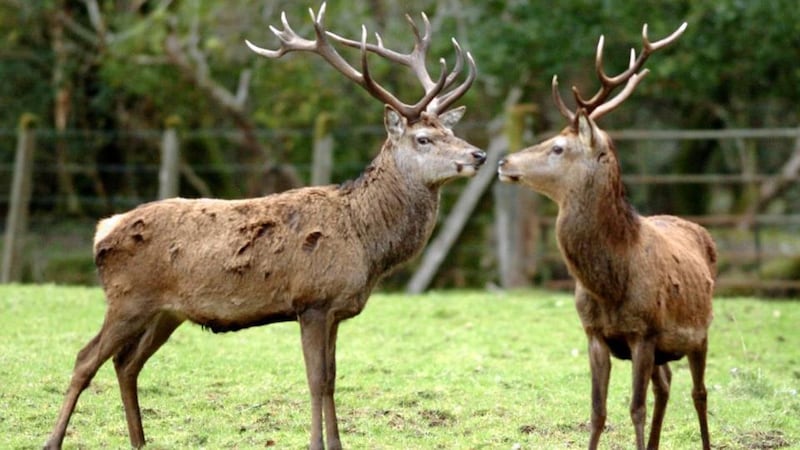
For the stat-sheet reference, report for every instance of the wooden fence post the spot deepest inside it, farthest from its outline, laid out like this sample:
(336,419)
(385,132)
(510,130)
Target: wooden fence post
(17,219)
(169,172)
(510,235)
(322,159)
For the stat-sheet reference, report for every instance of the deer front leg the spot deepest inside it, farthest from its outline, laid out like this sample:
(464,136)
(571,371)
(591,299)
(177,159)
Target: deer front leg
(697,366)
(331,422)
(643,361)
(314,335)
(600,364)
(662,378)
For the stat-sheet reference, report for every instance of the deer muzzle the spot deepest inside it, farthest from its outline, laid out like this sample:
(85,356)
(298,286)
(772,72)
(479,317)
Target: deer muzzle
(478,158)
(505,173)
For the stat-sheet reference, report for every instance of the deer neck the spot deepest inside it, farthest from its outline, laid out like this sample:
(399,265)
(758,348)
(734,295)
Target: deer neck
(393,213)
(597,229)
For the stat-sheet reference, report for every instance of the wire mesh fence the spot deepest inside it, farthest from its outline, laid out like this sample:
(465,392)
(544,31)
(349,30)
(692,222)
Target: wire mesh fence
(80,176)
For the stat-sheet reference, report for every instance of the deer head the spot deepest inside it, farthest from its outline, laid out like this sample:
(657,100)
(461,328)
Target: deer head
(563,165)
(420,135)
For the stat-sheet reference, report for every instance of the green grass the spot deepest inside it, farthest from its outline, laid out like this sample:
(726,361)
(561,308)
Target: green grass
(450,370)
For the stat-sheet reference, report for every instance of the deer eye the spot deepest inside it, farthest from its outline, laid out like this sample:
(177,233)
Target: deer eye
(423,140)
(557,149)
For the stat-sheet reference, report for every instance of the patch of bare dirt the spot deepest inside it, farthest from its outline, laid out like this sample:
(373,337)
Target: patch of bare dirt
(762,440)
(437,418)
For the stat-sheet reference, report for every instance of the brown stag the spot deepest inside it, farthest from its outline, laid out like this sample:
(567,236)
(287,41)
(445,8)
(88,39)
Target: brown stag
(310,255)
(644,284)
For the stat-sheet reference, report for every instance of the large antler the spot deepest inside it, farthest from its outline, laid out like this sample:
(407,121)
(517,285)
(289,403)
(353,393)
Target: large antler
(434,100)
(415,60)
(597,106)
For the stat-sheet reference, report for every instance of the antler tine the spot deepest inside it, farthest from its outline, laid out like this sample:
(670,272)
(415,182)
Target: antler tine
(409,111)
(609,83)
(648,48)
(562,107)
(667,40)
(601,110)
(415,59)
(430,102)
(445,100)
(379,91)
(424,41)
(328,52)
(458,66)
(289,41)
(426,38)
(420,51)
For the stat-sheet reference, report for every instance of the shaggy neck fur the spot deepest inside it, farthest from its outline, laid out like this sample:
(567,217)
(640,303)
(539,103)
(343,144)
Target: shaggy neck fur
(392,213)
(596,229)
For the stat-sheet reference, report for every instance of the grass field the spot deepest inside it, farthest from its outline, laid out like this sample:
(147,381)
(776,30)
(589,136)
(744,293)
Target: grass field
(449,370)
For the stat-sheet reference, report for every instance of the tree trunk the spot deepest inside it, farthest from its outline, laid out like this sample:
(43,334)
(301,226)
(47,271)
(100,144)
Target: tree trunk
(61,110)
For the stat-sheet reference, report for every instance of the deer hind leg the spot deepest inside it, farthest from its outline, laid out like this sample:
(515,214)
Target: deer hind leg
(600,364)
(662,379)
(128,362)
(114,333)
(643,364)
(697,366)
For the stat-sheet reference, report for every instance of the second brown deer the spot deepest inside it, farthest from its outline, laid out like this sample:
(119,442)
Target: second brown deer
(311,255)
(644,284)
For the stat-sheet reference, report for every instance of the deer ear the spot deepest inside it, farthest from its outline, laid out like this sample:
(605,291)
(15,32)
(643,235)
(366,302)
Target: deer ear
(394,122)
(585,128)
(450,118)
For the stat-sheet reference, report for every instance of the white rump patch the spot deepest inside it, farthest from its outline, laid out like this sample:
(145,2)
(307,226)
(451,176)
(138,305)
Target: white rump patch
(105,227)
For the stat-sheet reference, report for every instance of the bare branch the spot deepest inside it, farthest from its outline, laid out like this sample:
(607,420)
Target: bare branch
(96,19)
(77,29)
(243,89)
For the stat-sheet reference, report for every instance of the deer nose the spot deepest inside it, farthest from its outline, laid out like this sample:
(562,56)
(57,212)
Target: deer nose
(480,156)
(501,163)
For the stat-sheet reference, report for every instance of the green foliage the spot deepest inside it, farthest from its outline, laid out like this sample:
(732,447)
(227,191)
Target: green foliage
(464,369)
(736,66)
(24,71)
(714,68)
